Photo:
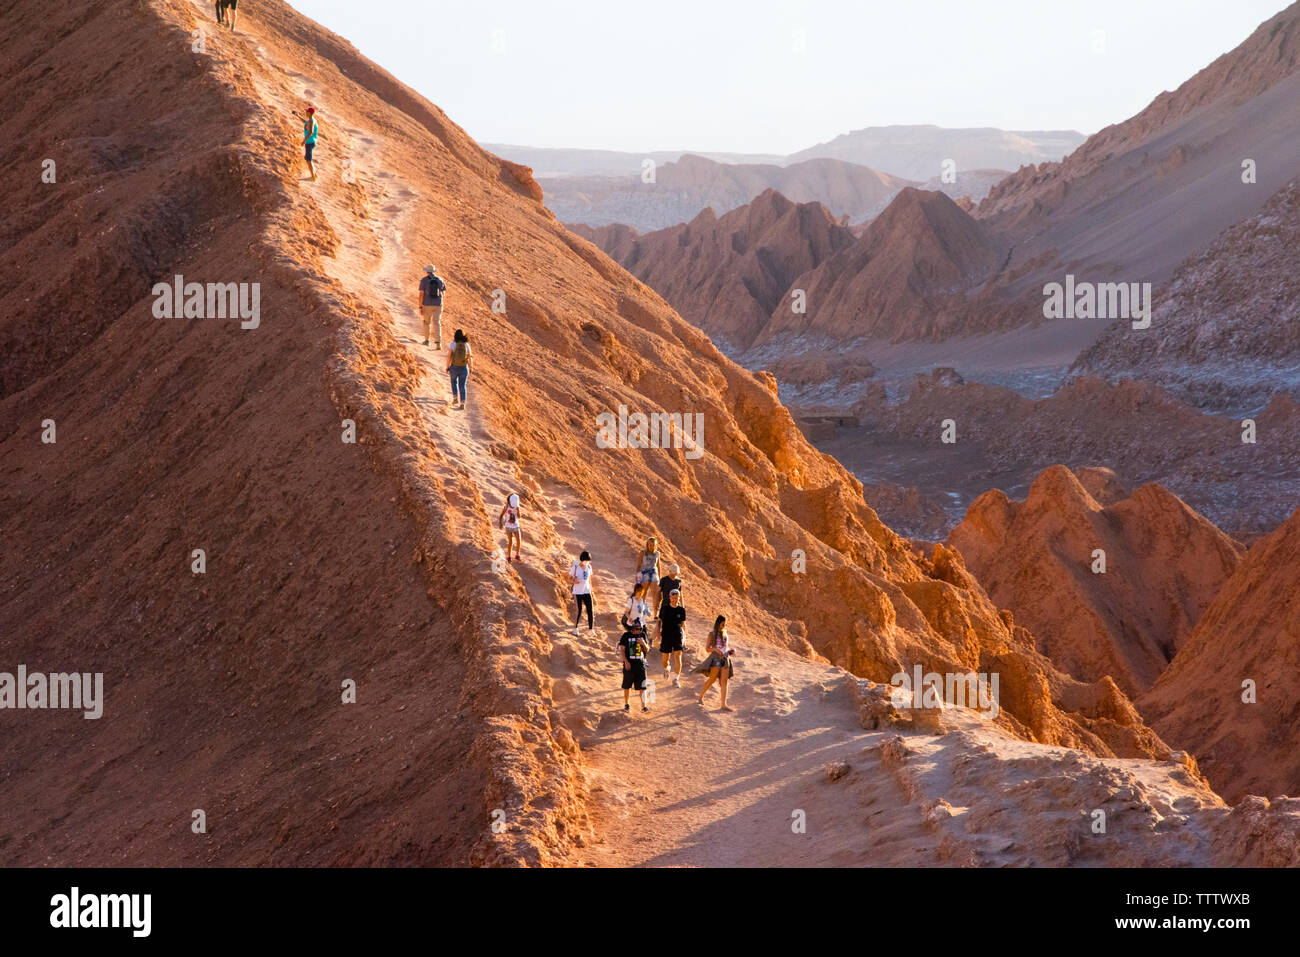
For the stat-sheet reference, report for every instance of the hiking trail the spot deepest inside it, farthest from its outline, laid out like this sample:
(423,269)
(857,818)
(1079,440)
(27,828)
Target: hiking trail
(684,784)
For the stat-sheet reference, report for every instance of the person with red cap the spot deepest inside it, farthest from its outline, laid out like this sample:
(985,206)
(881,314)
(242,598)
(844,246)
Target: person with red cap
(309,130)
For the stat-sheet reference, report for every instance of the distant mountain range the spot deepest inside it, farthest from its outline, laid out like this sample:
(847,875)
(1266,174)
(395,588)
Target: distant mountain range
(908,152)
(918,152)
(598,187)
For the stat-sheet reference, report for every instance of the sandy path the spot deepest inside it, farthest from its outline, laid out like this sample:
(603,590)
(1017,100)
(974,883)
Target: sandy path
(685,784)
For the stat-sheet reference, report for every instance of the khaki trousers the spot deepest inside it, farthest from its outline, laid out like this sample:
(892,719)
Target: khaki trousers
(432,316)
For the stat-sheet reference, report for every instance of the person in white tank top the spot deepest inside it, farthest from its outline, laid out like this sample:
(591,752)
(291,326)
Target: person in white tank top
(509,520)
(647,571)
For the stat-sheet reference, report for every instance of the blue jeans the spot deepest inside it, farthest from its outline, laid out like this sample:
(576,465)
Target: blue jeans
(458,376)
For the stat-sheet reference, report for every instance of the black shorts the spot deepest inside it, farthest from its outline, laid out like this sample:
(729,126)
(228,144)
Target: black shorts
(668,644)
(634,676)
(310,147)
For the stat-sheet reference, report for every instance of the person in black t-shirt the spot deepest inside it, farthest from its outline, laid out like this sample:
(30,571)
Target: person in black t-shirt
(672,621)
(667,584)
(633,647)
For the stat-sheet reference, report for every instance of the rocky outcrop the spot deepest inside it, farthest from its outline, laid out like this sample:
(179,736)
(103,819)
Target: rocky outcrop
(905,277)
(1228,329)
(1140,197)
(728,274)
(1230,696)
(1110,589)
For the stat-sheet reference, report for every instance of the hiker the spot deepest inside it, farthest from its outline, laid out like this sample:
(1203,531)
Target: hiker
(221,11)
(460,360)
(632,647)
(672,622)
(432,289)
(309,130)
(580,578)
(232,8)
(648,570)
(718,665)
(637,605)
(668,584)
(509,520)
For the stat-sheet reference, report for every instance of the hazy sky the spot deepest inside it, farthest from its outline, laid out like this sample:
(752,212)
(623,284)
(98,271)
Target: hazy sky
(728,74)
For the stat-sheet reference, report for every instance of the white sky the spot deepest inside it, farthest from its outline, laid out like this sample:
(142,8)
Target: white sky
(723,74)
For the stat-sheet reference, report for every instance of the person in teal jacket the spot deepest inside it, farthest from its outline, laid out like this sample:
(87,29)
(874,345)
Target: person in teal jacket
(309,131)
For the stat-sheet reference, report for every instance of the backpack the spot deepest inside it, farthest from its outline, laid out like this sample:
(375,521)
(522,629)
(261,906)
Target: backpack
(436,286)
(460,354)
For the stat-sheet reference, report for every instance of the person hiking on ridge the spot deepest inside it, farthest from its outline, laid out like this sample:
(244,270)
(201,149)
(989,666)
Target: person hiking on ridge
(637,605)
(672,622)
(670,582)
(632,648)
(460,360)
(718,665)
(432,289)
(232,8)
(221,12)
(648,570)
(309,130)
(509,520)
(580,578)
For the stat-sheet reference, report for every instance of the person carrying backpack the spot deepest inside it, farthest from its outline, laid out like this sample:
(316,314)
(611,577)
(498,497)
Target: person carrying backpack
(460,360)
(632,649)
(432,289)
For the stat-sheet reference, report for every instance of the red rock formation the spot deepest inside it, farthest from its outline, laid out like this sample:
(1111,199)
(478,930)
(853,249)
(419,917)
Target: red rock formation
(1163,565)
(1251,632)
(727,274)
(904,277)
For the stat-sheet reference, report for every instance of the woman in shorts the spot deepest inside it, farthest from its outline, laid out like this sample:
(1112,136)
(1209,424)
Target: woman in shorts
(647,565)
(309,130)
(718,665)
(509,520)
